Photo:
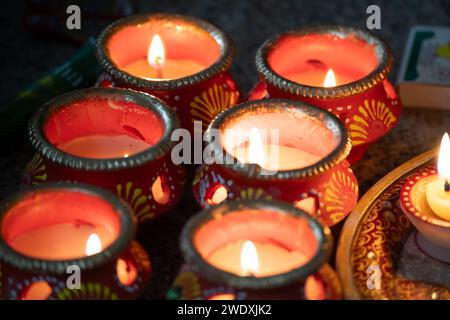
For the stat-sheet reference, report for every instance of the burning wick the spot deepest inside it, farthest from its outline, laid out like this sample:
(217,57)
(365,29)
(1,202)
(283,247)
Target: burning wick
(330,79)
(156,55)
(249,259)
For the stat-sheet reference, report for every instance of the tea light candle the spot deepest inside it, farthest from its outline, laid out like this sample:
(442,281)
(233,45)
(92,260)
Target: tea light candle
(256,250)
(438,190)
(273,157)
(47,228)
(247,258)
(156,66)
(179,59)
(104,146)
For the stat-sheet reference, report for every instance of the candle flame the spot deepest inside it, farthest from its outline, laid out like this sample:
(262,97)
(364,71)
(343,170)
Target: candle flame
(93,245)
(249,258)
(255,148)
(156,55)
(330,79)
(444,158)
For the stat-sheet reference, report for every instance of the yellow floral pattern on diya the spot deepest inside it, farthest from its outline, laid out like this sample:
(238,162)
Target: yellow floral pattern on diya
(254,193)
(339,192)
(87,291)
(188,285)
(211,102)
(137,201)
(35,172)
(372,120)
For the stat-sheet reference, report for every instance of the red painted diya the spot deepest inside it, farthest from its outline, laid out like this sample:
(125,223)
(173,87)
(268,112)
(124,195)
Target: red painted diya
(54,235)
(113,138)
(182,60)
(255,250)
(343,70)
(310,172)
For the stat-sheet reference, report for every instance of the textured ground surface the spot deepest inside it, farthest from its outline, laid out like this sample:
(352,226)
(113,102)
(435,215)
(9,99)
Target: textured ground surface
(25,58)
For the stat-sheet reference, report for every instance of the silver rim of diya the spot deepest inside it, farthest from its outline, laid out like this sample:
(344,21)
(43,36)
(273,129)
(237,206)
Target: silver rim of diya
(215,275)
(36,265)
(223,63)
(291,107)
(381,50)
(49,151)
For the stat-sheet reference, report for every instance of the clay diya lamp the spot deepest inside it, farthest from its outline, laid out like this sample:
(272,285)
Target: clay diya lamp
(340,69)
(69,241)
(306,166)
(113,138)
(180,59)
(255,250)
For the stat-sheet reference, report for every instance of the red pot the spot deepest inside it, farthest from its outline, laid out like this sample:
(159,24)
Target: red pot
(327,188)
(32,270)
(194,97)
(147,180)
(261,221)
(289,64)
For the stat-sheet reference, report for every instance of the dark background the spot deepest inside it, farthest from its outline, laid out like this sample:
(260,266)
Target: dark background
(26,55)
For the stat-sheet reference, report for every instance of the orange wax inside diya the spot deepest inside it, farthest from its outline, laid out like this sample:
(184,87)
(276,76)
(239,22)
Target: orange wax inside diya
(104,146)
(159,65)
(60,225)
(256,259)
(319,78)
(308,59)
(273,157)
(102,128)
(256,243)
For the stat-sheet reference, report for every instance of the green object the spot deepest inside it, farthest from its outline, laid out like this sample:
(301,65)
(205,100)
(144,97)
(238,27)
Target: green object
(80,71)
(411,71)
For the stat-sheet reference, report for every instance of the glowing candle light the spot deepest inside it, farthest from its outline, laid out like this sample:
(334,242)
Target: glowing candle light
(438,190)
(249,258)
(157,65)
(93,245)
(330,79)
(272,156)
(156,55)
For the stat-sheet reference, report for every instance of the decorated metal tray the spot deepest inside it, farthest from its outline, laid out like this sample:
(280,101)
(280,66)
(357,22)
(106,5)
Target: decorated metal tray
(378,255)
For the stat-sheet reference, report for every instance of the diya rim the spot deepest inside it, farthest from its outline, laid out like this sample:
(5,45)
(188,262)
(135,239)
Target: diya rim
(45,266)
(166,115)
(339,153)
(211,273)
(223,63)
(381,50)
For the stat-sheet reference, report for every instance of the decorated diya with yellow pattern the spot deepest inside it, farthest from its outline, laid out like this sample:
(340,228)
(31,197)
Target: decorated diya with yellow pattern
(375,234)
(198,95)
(312,175)
(69,241)
(280,233)
(297,65)
(62,133)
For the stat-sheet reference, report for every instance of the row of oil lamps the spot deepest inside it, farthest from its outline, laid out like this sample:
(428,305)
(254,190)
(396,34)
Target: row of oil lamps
(120,139)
